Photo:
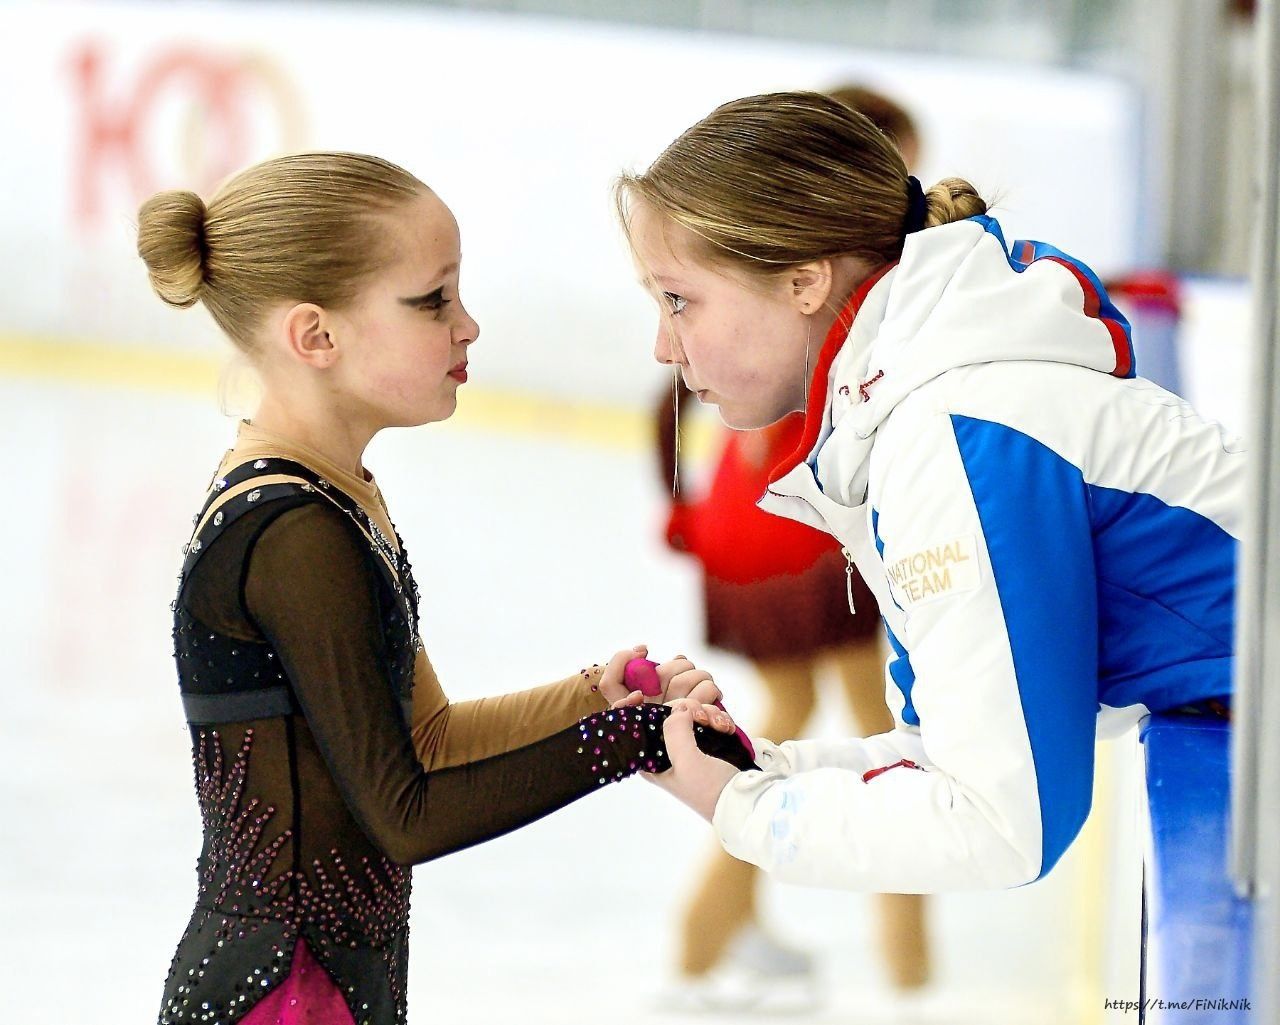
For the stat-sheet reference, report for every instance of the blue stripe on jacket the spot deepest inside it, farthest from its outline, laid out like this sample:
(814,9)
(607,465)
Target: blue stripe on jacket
(900,671)
(1166,590)
(1034,511)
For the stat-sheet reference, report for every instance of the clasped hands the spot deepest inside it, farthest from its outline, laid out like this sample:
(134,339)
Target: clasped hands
(695,778)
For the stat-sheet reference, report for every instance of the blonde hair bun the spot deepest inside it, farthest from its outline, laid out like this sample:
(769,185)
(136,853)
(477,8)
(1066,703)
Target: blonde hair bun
(171,241)
(952,199)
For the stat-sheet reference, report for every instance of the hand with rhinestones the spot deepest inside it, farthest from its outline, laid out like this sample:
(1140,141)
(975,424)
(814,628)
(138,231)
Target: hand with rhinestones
(683,681)
(695,778)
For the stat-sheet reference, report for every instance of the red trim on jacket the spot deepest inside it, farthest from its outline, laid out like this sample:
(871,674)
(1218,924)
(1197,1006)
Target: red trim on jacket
(737,542)
(905,763)
(1093,308)
(834,342)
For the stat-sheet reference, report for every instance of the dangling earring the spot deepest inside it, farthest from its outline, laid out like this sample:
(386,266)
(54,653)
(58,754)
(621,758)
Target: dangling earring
(675,402)
(808,331)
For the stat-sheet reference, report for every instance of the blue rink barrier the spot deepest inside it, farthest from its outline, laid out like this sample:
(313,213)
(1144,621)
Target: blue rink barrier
(1196,955)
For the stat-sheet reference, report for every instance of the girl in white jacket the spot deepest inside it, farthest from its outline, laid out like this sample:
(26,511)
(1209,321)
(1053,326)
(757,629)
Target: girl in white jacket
(1051,540)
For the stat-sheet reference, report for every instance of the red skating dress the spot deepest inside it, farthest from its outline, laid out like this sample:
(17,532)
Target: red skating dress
(772,588)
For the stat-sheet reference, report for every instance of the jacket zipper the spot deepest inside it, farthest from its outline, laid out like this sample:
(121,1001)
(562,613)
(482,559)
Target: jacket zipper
(848,579)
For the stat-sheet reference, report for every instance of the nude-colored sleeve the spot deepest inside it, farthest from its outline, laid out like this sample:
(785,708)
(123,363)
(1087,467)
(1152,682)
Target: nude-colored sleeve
(311,592)
(453,733)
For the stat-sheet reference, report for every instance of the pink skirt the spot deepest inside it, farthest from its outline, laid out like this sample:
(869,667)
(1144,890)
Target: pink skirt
(307,997)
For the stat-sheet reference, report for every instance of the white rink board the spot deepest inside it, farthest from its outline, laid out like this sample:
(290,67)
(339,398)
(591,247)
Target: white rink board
(519,123)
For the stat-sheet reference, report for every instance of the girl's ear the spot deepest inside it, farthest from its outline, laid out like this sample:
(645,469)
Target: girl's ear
(306,335)
(810,285)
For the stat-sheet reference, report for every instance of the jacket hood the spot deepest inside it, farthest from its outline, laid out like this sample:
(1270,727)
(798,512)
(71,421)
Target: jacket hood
(958,296)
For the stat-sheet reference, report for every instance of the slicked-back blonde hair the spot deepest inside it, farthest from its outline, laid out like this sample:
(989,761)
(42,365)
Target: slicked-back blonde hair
(768,182)
(304,228)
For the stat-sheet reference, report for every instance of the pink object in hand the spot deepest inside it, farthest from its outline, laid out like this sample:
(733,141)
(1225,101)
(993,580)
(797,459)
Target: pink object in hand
(641,674)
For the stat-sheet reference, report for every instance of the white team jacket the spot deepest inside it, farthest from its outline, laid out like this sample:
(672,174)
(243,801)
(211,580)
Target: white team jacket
(1051,542)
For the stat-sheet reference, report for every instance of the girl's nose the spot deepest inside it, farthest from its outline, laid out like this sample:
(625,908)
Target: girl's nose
(468,330)
(663,349)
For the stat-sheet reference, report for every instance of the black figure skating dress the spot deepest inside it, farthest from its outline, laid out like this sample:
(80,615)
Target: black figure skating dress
(326,761)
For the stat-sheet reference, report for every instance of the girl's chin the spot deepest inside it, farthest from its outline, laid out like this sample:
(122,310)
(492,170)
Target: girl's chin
(440,414)
(437,413)
(738,419)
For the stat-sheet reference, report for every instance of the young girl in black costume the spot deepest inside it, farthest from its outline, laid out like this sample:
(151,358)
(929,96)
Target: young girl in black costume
(327,757)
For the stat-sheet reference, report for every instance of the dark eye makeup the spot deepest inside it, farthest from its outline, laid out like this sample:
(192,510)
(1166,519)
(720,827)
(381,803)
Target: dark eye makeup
(431,301)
